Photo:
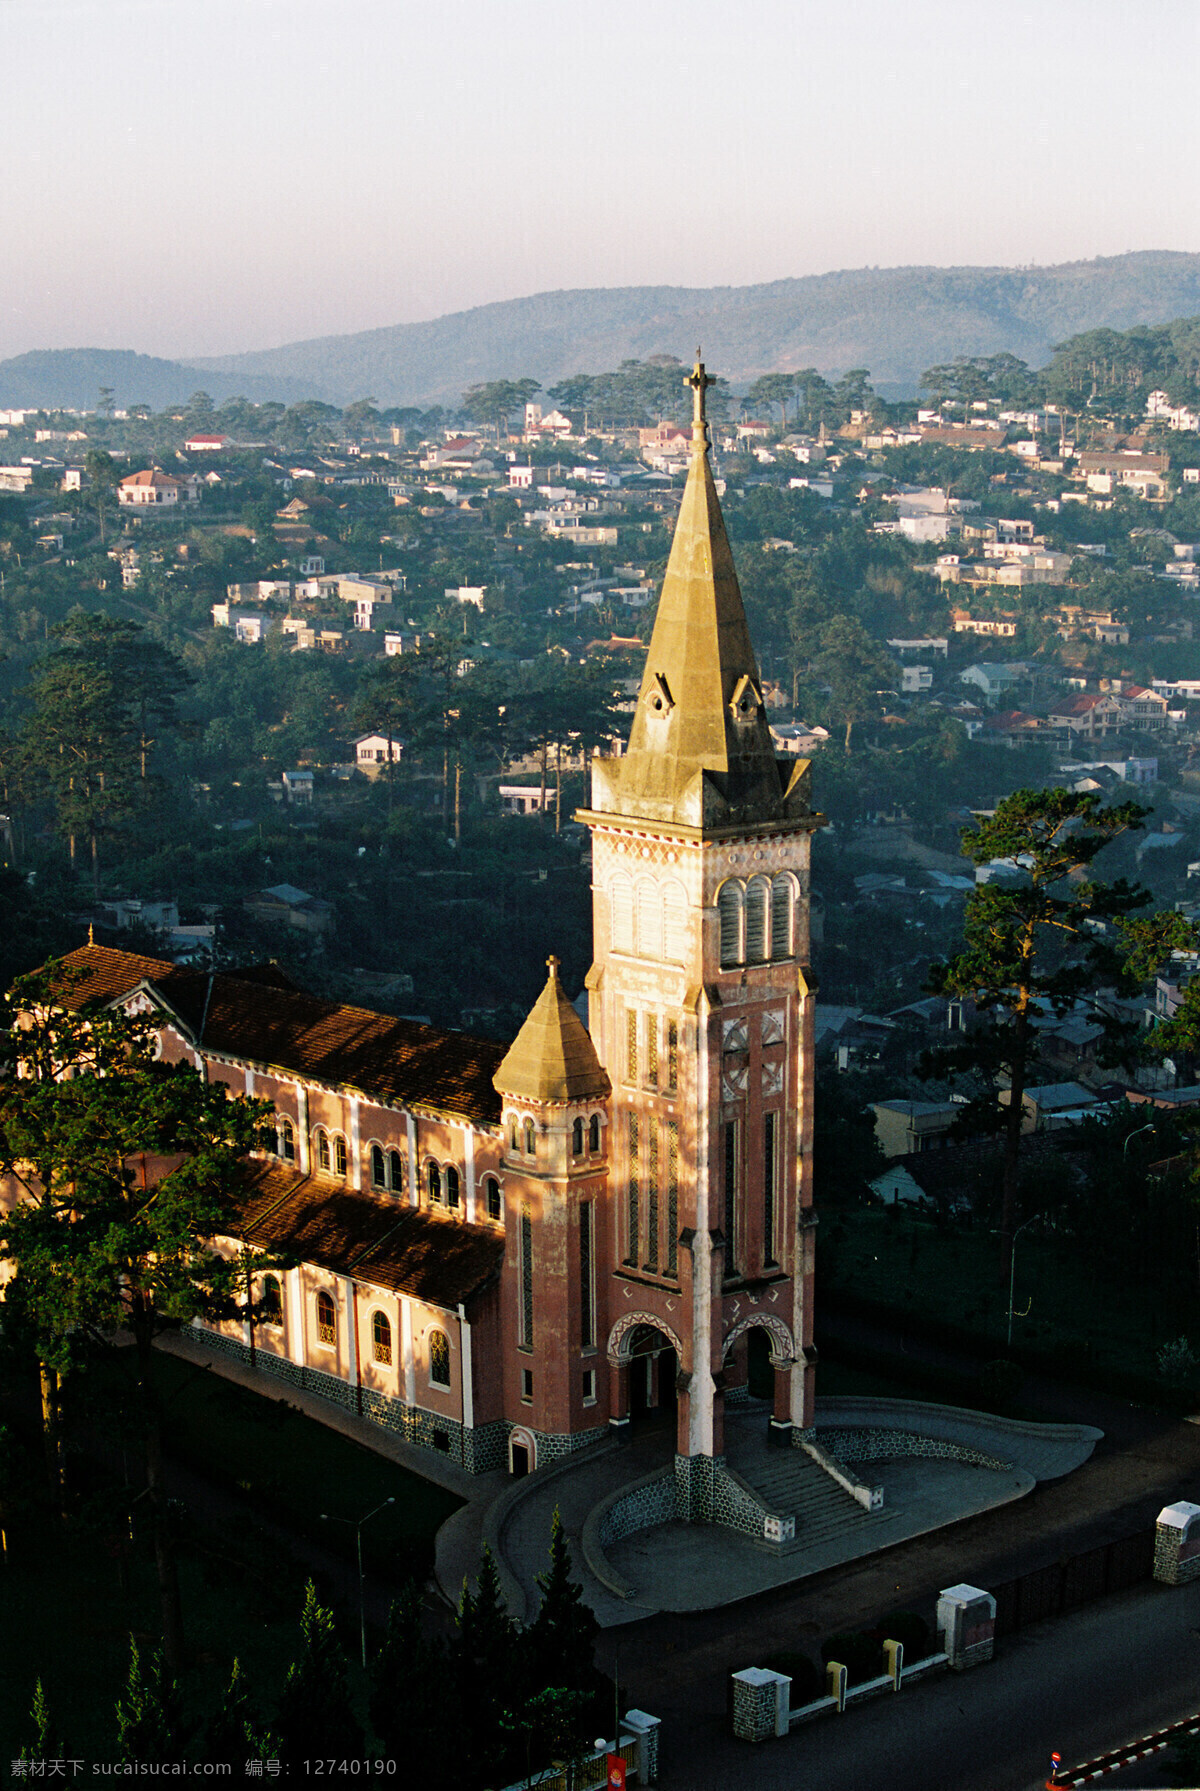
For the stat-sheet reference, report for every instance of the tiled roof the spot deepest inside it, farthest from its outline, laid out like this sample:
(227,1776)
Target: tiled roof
(105,974)
(151,476)
(256,1016)
(441,1261)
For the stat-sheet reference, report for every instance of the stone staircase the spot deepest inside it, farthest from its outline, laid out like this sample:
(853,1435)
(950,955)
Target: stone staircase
(791,1484)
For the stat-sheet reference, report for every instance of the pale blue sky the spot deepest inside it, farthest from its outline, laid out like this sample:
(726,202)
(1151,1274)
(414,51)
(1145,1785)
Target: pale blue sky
(186,177)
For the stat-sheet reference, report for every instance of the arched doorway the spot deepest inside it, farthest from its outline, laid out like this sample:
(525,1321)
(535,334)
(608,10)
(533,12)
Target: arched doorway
(760,1357)
(653,1366)
(522,1454)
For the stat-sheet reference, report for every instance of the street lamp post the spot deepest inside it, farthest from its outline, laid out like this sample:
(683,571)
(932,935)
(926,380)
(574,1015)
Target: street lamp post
(1012,1271)
(356,1524)
(1125,1147)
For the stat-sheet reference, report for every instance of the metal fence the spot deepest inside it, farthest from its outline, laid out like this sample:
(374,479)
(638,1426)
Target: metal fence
(1065,1585)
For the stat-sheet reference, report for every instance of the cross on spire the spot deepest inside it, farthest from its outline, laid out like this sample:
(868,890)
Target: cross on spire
(699,381)
(552,964)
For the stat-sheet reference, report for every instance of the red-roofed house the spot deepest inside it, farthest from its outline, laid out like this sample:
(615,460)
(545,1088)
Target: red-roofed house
(154,488)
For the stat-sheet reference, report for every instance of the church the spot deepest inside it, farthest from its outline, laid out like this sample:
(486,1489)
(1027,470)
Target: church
(508,1254)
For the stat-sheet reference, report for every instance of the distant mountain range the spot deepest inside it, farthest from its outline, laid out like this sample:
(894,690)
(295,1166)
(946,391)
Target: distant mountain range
(893,321)
(72,377)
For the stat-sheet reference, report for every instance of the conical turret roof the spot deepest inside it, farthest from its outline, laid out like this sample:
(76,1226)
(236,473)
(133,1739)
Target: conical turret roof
(552,1058)
(700,748)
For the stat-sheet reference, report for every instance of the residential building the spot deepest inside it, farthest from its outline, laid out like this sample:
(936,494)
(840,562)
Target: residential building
(285,905)
(905,1127)
(152,489)
(373,752)
(995,678)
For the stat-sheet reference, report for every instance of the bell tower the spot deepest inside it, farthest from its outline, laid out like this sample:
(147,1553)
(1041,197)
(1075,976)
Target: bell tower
(701,1009)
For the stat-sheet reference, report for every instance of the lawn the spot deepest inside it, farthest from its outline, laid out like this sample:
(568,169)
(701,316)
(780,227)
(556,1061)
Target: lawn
(1063,1310)
(295,1469)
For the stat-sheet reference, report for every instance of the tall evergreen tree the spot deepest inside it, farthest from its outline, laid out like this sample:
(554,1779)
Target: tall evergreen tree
(560,1644)
(316,1718)
(130,1168)
(488,1678)
(1033,945)
(37,1746)
(414,1708)
(147,1716)
(232,1730)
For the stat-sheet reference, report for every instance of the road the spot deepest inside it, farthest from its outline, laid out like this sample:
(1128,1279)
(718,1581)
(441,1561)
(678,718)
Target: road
(1080,1685)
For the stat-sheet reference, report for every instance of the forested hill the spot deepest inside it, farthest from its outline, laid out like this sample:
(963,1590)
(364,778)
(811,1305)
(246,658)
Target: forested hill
(73,377)
(893,321)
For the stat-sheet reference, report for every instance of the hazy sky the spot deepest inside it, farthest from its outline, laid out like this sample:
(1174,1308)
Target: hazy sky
(184,177)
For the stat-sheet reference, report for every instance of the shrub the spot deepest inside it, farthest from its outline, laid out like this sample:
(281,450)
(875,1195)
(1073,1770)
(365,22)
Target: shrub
(1177,1363)
(808,1682)
(860,1654)
(909,1629)
(1000,1381)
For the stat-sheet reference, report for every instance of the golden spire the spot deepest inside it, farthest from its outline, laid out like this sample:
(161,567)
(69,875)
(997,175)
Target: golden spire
(700,750)
(91,934)
(552,1058)
(699,381)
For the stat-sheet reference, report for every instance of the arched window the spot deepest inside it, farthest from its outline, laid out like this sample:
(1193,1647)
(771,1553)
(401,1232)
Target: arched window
(339,1156)
(530,1139)
(782,918)
(439,1358)
(271,1305)
(285,1134)
(729,907)
(395,1172)
(434,1183)
(324,1161)
(756,920)
(514,1135)
(451,1185)
(381,1338)
(594,1134)
(378,1167)
(491,1189)
(326,1319)
(577,1138)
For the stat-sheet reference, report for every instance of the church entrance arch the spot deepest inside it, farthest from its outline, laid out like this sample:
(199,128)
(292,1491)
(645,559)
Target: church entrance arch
(759,1355)
(645,1356)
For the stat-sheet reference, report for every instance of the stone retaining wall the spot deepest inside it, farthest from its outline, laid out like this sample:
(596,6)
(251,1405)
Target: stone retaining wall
(649,1503)
(885,1445)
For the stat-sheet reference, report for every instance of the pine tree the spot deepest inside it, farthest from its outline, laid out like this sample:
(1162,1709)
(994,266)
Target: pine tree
(1034,946)
(316,1718)
(37,1746)
(85,1108)
(147,1720)
(487,1675)
(232,1730)
(560,1645)
(414,1710)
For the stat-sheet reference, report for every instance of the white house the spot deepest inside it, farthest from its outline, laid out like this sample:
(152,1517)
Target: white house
(371,752)
(154,489)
